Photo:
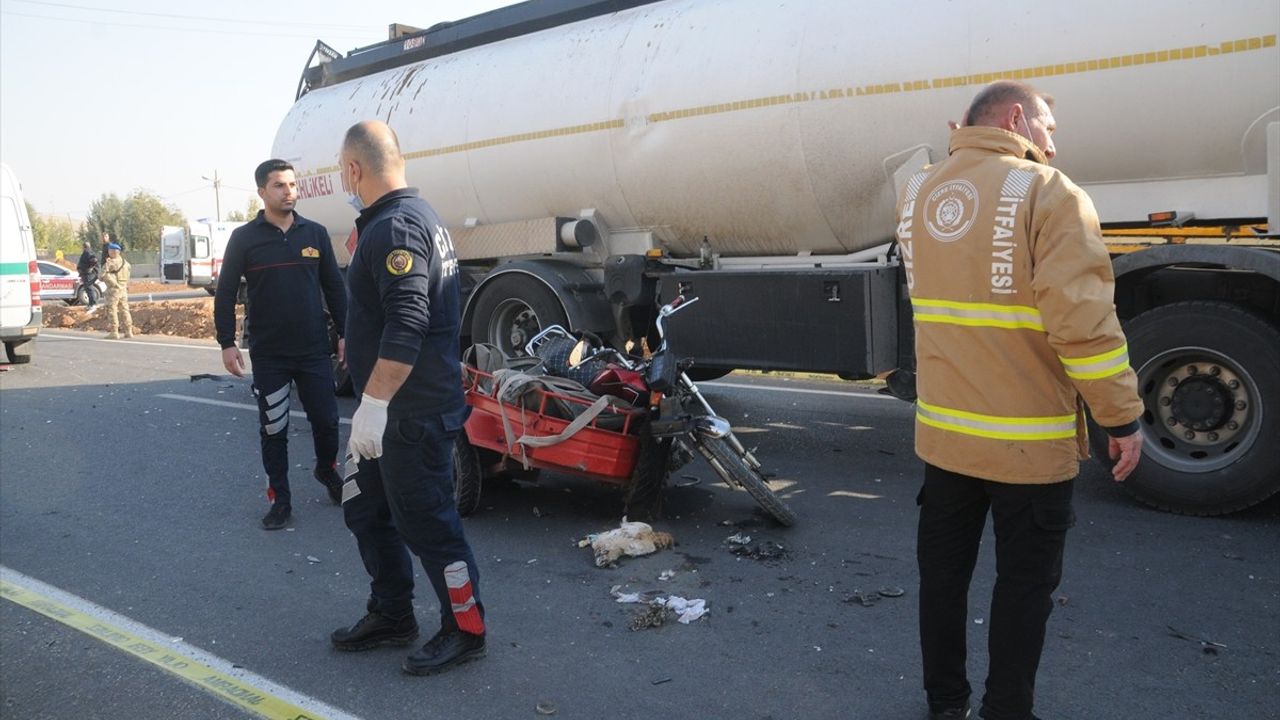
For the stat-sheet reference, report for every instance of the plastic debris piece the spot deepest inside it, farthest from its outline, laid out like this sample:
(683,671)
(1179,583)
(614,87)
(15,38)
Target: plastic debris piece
(738,539)
(313,559)
(660,681)
(891,592)
(865,599)
(545,707)
(978,621)
(688,481)
(666,575)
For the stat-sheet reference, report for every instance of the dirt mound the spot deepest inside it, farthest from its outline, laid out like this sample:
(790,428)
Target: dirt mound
(178,318)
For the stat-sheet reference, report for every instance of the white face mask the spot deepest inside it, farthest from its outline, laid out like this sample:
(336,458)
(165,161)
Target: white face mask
(355,201)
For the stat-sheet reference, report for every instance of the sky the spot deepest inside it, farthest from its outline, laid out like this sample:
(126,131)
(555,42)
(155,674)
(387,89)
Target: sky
(109,96)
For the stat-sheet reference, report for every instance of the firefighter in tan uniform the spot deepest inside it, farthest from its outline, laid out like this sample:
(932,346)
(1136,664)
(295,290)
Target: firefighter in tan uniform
(1016,331)
(115,273)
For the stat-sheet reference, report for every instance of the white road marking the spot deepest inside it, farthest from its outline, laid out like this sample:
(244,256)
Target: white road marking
(806,391)
(134,341)
(237,406)
(235,684)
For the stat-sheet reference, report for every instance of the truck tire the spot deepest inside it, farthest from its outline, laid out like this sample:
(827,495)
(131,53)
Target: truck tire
(512,309)
(20,352)
(742,474)
(467,475)
(1209,375)
(644,493)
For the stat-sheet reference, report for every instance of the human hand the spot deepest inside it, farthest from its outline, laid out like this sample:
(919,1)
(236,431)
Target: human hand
(367,427)
(233,361)
(1125,451)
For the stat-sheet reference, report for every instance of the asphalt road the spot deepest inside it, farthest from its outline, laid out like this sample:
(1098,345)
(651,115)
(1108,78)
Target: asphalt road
(132,487)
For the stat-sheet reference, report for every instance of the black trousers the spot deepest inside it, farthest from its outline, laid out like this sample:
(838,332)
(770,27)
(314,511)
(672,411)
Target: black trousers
(1030,523)
(403,503)
(272,379)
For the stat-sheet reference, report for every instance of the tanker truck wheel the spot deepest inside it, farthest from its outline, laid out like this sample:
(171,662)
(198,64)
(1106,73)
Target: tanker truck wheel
(1209,376)
(511,310)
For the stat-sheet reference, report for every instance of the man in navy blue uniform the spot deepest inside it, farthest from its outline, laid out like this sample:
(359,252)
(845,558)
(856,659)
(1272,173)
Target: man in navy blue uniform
(291,273)
(403,355)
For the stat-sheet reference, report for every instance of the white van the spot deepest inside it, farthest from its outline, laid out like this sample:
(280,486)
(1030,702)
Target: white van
(20,313)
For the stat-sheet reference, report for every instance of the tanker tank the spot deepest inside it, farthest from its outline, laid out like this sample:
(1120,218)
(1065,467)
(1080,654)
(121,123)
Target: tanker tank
(776,129)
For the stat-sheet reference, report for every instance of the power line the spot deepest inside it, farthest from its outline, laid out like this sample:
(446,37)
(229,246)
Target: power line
(169,27)
(361,28)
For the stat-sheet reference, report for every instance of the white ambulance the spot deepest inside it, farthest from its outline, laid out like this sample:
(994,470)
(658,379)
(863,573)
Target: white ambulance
(20,312)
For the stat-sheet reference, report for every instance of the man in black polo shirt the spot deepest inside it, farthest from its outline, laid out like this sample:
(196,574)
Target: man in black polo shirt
(291,273)
(403,355)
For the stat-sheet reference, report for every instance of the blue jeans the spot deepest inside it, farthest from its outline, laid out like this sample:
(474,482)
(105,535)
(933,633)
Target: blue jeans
(1030,523)
(405,504)
(313,377)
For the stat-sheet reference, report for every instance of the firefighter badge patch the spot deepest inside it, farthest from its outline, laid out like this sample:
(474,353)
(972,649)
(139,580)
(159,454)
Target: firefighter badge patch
(399,262)
(949,210)
(310,252)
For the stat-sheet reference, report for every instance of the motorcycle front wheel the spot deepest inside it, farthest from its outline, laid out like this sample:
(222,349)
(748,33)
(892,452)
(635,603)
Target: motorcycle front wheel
(735,471)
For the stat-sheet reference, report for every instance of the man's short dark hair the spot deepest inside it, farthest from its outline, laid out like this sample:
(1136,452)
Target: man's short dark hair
(263,173)
(1000,94)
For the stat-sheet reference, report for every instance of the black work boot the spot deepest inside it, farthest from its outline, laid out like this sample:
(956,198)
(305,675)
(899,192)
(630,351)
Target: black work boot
(376,629)
(446,649)
(277,517)
(331,481)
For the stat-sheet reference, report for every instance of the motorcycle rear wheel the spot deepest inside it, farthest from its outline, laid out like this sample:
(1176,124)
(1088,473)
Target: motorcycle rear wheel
(735,471)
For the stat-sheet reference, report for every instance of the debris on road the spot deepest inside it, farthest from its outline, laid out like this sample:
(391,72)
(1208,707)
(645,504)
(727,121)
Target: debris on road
(546,707)
(1174,632)
(659,609)
(741,545)
(630,538)
(666,575)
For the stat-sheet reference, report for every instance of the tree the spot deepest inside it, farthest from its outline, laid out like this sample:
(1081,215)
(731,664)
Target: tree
(53,234)
(250,212)
(134,222)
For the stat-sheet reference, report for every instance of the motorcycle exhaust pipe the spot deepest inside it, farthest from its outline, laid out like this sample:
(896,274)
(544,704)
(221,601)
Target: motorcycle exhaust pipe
(712,426)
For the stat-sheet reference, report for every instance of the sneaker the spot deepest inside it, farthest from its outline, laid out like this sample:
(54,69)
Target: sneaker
(277,517)
(91,309)
(955,713)
(332,482)
(446,649)
(376,629)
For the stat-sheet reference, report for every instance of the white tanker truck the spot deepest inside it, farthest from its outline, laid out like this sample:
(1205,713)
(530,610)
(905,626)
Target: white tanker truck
(594,158)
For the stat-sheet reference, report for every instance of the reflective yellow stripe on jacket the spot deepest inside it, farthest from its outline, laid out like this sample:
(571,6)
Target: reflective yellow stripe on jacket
(952,312)
(1098,366)
(997,427)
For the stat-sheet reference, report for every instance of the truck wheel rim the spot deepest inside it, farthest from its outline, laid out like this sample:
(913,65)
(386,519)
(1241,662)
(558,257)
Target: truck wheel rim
(1203,412)
(514,324)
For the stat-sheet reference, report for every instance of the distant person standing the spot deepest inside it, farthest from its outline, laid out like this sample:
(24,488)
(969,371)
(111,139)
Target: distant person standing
(115,273)
(102,256)
(291,274)
(87,266)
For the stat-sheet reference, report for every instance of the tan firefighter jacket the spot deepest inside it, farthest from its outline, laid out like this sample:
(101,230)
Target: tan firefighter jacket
(1012,292)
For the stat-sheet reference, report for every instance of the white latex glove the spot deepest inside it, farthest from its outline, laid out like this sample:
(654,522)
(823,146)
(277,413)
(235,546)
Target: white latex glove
(367,426)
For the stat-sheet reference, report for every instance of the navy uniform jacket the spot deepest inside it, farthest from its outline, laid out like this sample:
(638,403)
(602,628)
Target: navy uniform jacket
(405,304)
(290,276)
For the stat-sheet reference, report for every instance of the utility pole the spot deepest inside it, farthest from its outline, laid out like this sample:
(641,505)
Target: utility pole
(217,194)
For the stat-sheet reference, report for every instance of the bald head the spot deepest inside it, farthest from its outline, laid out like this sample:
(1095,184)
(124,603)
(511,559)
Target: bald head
(371,163)
(375,146)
